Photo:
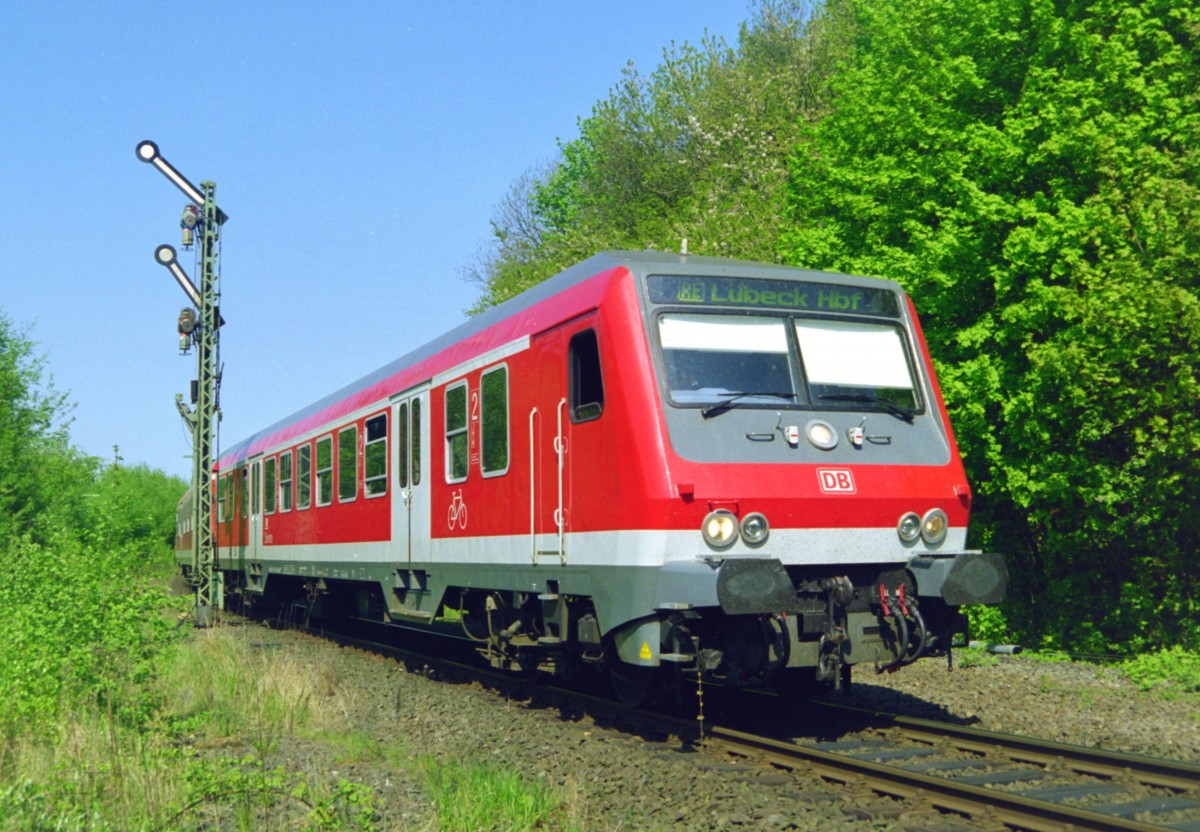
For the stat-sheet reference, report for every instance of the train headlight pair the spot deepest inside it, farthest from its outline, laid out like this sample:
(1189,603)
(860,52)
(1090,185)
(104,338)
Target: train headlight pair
(932,528)
(721,529)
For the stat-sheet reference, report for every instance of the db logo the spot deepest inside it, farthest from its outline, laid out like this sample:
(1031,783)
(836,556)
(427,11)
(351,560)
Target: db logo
(836,480)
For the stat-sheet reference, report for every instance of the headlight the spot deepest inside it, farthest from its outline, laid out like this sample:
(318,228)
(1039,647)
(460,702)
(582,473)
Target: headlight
(934,526)
(755,529)
(909,527)
(720,529)
(821,434)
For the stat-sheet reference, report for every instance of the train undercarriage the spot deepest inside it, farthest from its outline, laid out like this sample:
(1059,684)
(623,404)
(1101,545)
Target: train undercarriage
(797,631)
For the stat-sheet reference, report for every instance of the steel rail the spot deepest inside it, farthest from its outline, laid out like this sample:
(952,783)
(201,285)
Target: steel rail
(1150,771)
(944,794)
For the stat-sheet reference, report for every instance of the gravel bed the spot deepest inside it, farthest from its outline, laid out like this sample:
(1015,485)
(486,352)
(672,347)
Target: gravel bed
(612,780)
(1081,704)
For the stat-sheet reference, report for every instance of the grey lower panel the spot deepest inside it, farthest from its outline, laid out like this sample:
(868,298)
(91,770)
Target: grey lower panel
(619,593)
(630,602)
(417,590)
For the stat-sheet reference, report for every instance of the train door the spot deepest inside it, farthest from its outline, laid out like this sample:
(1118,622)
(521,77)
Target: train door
(254,521)
(410,511)
(558,406)
(240,498)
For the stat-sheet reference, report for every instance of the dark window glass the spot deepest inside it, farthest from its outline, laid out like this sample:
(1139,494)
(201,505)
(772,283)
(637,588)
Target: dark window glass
(416,442)
(285,481)
(586,385)
(375,456)
(325,471)
(255,491)
(402,444)
(494,452)
(303,476)
(456,433)
(347,464)
(271,493)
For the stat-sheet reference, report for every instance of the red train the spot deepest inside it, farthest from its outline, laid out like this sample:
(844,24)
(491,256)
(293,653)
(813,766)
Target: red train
(648,464)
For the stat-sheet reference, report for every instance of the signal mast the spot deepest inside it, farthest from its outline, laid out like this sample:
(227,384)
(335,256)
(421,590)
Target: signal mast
(199,326)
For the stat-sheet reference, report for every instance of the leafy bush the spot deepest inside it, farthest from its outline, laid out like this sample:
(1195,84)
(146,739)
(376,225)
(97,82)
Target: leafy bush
(79,628)
(987,623)
(79,543)
(25,807)
(1172,668)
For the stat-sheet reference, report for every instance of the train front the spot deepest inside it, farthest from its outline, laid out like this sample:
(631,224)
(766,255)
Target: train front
(818,501)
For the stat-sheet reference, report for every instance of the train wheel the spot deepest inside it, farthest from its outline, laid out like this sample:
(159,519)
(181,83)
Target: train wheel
(633,685)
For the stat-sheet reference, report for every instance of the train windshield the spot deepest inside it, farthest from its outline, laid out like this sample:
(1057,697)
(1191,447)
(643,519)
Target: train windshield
(710,358)
(857,363)
(779,361)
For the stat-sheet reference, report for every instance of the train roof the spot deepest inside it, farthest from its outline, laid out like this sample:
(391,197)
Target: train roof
(351,396)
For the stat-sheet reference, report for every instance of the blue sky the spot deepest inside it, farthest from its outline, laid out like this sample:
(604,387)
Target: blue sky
(359,150)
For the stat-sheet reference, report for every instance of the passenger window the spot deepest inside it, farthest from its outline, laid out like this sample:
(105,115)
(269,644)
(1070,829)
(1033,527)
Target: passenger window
(375,457)
(494,453)
(347,464)
(325,471)
(585,382)
(456,433)
(222,490)
(285,482)
(402,444)
(416,442)
(303,476)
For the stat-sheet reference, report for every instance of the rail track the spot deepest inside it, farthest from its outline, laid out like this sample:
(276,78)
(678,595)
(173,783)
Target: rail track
(985,779)
(994,779)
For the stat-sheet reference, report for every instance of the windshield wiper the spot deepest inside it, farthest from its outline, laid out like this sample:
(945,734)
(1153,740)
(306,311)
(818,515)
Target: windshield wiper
(890,406)
(736,396)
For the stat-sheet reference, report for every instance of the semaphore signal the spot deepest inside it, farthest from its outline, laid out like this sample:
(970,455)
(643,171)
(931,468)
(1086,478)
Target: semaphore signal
(202,329)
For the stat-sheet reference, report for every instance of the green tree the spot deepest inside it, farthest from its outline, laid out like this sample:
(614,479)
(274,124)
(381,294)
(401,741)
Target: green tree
(42,479)
(134,506)
(1029,170)
(696,149)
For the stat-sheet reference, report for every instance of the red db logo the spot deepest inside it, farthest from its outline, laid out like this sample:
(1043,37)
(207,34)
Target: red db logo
(836,480)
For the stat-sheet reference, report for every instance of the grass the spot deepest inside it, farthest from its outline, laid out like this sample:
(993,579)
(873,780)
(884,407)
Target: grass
(470,796)
(966,657)
(215,692)
(226,703)
(1168,672)
(237,687)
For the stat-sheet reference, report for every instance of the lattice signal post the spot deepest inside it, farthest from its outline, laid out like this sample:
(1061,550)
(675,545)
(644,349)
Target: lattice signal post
(199,327)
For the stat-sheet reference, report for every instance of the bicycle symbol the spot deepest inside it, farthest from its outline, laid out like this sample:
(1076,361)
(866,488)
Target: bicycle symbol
(457,515)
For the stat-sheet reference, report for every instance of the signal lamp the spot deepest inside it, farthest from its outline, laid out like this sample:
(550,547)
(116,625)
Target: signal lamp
(187,320)
(188,223)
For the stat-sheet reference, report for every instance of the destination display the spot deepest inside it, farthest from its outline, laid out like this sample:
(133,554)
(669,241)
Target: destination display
(772,294)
